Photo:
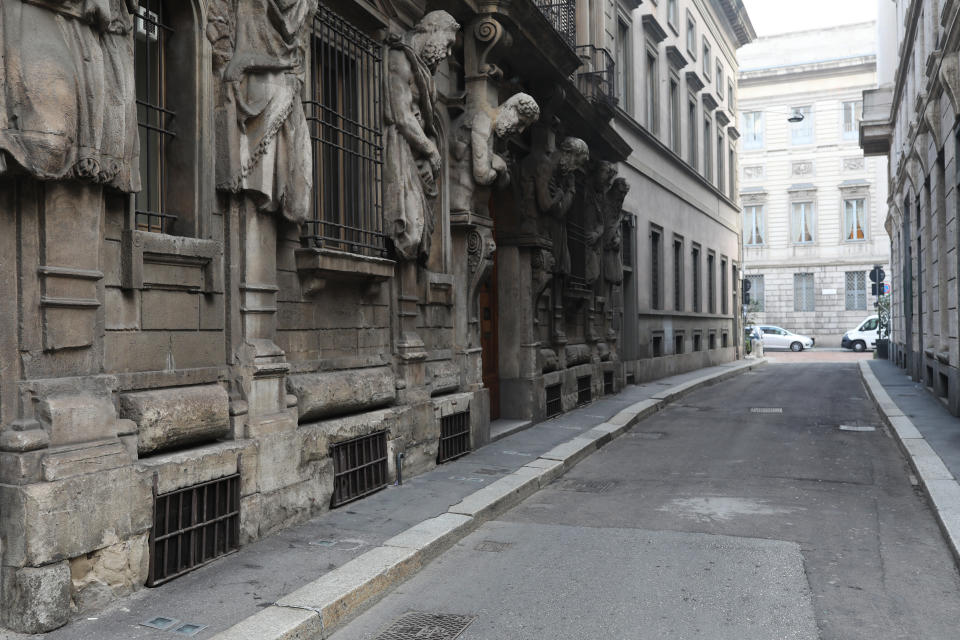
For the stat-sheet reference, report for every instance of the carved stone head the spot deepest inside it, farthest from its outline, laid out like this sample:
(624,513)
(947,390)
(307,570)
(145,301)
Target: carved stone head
(517,113)
(433,37)
(574,155)
(603,174)
(618,193)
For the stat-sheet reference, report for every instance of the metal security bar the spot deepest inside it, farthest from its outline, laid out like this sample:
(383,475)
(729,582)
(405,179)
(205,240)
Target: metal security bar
(584,392)
(193,526)
(454,436)
(346,130)
(359,467)
(554,400)
(562,15)
(153,116)
(607,383)
(596,80)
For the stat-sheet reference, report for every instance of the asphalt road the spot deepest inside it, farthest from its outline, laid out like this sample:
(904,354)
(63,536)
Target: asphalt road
(710,521)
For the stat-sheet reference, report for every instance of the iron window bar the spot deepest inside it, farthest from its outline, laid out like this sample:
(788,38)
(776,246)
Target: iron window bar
(597,81)
(346,131)
(454,436)
(153,116)
(561,14)
(607,383)
(584,395)
(193,526)
(359,467)
(554,400)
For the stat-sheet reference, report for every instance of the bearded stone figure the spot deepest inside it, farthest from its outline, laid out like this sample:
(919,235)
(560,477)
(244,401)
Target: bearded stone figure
(598,186)
(475,166)
(556,185)
(263,142)
(67,93)
(413,160)
(613,233)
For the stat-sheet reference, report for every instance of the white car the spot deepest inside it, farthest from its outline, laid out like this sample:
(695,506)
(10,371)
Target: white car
(779,338)
(864,336)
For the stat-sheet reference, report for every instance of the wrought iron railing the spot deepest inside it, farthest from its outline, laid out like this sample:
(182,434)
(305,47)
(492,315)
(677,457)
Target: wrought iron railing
(597,78)
(562,15)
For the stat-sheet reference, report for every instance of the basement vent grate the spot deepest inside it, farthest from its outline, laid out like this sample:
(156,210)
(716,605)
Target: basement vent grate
(454,436)
(584,395)
(492,546)
(189,629)
(359,467)
(193,526)
(766,409)
(607,383)
(587,486)
(160,623)
(417,625)
(554,400)
(631,378)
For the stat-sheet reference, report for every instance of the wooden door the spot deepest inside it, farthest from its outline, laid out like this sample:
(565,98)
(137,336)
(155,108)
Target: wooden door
(489,342)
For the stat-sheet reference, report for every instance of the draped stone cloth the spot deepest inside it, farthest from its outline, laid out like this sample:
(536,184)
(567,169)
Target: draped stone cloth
(67,92)
(409,184)
(263,134)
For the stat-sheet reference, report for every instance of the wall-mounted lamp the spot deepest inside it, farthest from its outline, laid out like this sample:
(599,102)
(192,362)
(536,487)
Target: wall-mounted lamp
(795,117)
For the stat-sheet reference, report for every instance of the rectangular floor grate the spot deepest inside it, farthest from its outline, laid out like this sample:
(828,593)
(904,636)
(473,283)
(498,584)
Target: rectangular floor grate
(454,436)
(554,400)
(359,467)
(193,526)
(766,409)
(417,625)
(584,392)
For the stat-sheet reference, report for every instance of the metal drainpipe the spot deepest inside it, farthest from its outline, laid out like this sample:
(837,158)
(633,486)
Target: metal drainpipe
(400,457)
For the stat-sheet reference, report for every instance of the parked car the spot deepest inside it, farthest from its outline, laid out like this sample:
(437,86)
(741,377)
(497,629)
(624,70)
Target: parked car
(779,338)
(864,336)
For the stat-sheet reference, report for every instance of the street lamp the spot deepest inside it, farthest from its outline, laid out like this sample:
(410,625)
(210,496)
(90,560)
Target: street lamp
(795,117)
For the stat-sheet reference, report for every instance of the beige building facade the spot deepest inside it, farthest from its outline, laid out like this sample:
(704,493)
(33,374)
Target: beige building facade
(813,206)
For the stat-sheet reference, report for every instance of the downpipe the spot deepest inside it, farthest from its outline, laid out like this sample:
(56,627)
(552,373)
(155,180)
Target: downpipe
(400,457)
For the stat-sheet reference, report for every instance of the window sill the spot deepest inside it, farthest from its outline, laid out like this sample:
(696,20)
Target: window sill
(158,260)
(315,266)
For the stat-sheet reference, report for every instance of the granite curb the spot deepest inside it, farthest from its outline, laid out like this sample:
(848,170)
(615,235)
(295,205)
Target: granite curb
(319,607)
(941,487)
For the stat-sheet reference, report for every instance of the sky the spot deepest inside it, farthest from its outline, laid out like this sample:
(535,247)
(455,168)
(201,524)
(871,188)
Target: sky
(770,17)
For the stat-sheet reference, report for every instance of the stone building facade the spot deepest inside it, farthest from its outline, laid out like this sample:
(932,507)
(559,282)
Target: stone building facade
(912,118)
(813,206)
(258,254)
(676,82)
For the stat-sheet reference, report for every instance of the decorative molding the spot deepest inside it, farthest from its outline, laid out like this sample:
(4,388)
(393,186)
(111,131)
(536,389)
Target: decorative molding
(855,163)
(485,35)
(950,79)
(753,172)
(694,83)
(676,58)
(653,29)
(733,133)
(722,118)
(802,169)
(709,102)
(930,122)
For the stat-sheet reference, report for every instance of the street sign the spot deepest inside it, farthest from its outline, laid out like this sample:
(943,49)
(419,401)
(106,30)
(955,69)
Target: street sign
(877,274)
(886,288)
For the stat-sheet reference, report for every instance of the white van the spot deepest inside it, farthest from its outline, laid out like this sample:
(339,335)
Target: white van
(864,336)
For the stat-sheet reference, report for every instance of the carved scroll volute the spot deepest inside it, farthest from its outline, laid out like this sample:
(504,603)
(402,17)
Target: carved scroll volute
(483,37)
(480,249)
(950,79)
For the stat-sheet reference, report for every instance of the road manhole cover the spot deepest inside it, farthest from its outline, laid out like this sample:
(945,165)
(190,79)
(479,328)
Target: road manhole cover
(418,625)
(587,486)
(766,409)
(492,546)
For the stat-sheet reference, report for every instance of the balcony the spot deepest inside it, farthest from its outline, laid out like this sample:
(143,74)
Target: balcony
(562,15)
(876,130)
(597,80)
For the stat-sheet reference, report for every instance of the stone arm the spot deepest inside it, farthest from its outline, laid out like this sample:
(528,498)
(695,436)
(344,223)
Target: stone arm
(550,200)
(484,171)
(401,98)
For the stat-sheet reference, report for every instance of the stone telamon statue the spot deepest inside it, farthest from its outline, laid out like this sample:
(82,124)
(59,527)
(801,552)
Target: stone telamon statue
(412,164)
(263,140)
(475,166)
(556,184)
(67,93)
(613,233)
(598,186)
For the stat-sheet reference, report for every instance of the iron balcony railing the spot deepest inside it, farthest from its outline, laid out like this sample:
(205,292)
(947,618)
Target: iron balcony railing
(597,78)
(562,15)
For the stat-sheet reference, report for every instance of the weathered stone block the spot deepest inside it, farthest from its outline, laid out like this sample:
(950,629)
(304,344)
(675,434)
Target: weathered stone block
(201,349)
(21,468)
(280,461)
(122,309)
(444,376)
(114,571)
(176,310)
(35,599)
(211,312)
(177,417)
(331,393)
(186,468)
(72,462)
(136,351)
(78,417)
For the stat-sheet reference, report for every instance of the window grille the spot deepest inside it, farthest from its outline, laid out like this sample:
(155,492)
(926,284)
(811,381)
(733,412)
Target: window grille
(359,467)
(803,293)
(695,255)
(711,284)
(678,275)
(584,395)
(154,118)
(344,114)
(655,301)
(724,294)
(554,400)
(607,383)
(561,14)
(193,526)
(856,290)
(454,436)
(756,293)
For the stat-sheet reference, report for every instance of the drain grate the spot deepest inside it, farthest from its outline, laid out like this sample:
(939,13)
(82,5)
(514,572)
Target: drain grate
(454,436)
(492,546)
(766,409)
(359,467)
(417,625)
(587,486)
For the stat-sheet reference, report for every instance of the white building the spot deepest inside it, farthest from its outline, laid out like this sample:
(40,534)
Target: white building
(813,206)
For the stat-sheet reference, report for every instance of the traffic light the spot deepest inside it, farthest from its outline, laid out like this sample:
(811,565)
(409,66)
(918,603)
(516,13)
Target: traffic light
(746,297)
(745,283)
(873,289)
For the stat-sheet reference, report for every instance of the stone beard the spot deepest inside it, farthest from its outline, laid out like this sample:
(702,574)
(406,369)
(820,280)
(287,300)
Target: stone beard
(413,161)
(67,92)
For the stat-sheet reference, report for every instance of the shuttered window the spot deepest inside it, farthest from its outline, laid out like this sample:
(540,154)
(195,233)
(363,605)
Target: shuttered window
(803,293)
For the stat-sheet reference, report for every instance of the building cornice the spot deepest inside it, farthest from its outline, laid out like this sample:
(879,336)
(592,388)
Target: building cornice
(736,16)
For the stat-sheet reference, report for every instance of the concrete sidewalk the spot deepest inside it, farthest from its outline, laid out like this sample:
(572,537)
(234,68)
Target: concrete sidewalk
(929,436)
(306,580)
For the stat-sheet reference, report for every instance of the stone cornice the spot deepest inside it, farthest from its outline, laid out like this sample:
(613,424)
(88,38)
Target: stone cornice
(676,58)
(652,28)
(694,83)
(709,102)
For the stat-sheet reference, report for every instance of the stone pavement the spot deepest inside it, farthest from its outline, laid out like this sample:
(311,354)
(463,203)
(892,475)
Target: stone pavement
(929,436)
(307,579)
